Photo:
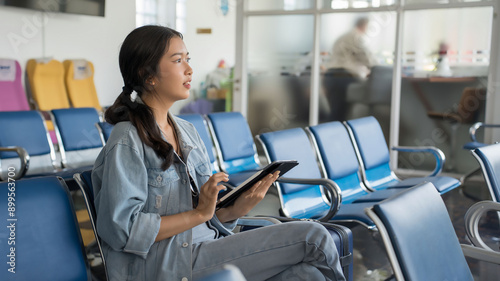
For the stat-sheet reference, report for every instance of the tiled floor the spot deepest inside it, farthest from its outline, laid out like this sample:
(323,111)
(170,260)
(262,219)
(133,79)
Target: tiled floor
(370,260)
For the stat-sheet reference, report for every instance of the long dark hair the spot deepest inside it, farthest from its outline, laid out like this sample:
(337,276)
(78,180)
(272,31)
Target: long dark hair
(139,58)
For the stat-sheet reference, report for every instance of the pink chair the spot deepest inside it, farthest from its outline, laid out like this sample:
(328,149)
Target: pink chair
(12,92)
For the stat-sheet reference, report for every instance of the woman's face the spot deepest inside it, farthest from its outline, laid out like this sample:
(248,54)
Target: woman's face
(174,73)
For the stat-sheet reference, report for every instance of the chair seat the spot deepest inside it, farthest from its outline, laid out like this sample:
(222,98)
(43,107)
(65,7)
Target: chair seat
(354,212)
(443,184)
(378,195)
(348,212)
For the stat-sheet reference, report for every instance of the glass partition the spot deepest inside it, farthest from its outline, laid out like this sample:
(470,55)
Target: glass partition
(411,2)
(279,60)
(356,71)
(285,5)
(345,4)
(443,89)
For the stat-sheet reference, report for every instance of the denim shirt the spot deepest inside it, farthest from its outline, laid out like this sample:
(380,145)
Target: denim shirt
(132,192)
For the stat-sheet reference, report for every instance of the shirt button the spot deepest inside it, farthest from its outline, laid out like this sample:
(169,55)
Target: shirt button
(184,279)
(158,179)
(184,245)
(184,181)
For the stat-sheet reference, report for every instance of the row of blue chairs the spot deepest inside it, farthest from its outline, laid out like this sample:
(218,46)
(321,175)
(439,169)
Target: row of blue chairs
(409,267)
(26,147)
(354,156)
(52,247)
(353,171)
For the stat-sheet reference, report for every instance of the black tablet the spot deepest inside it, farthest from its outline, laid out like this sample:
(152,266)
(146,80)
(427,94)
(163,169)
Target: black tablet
(283,166)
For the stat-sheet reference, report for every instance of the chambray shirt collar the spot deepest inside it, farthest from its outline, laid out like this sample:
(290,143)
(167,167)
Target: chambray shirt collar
(186,143)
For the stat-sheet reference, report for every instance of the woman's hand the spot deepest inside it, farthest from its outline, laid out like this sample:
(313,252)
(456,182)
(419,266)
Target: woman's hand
(248,199)
(174,224)
(208,195)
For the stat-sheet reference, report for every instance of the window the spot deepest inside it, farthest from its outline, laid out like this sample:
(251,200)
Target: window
(146,12)
(180,16)
(171,13)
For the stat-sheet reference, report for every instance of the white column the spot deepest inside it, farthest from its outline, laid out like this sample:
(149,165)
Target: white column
(396,87)
(492,97)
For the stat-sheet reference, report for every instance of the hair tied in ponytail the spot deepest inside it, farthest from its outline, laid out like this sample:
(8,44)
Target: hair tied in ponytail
(129,97)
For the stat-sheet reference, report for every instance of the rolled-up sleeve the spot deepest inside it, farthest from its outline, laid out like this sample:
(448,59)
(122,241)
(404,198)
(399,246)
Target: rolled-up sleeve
(225,228)
(120,200)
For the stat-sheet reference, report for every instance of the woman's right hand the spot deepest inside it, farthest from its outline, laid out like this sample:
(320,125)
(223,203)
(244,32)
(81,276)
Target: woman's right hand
(208,195)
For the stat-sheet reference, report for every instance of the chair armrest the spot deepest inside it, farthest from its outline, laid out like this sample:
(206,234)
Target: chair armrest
(331,187)
(23,156)
(481,254)
(438,154)
(473,129)
(472,217)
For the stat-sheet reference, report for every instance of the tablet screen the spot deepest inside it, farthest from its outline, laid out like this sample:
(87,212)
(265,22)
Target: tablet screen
(283,166)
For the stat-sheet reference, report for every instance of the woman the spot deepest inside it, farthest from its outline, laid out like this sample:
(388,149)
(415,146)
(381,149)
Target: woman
(155,195)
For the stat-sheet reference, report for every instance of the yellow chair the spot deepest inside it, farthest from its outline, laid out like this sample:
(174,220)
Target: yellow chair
(47,84)
(46,80)
(79,79)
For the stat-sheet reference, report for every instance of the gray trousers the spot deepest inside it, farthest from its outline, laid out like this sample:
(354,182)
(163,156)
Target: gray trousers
(289,251)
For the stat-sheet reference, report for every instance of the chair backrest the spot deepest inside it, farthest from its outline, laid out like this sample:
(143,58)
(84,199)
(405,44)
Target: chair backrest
(380,85)
(49,244)
(489,159)
(79,79)
(12,92)
(294,144)
(47,84)
(234,142)
(337,158)
(104,129)
(373,154)
(26,129)
(202,127)
(79,139)
(419,236)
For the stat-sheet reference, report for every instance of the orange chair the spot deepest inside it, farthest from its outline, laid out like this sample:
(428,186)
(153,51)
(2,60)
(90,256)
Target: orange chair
(79,80)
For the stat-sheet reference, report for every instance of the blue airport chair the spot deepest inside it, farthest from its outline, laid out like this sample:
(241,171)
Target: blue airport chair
(78,138)
(26,145)
(202,127)
(84,181)
(302,193)
(489,159)
(373,154)
(479,249)
(104,129)
(234,144)
(474,143)
(427,248)
(338,162)
(48,244)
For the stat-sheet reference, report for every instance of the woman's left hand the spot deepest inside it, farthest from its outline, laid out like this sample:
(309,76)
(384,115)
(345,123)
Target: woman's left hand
(247,200)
